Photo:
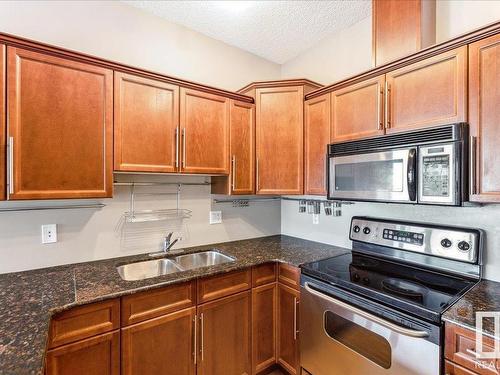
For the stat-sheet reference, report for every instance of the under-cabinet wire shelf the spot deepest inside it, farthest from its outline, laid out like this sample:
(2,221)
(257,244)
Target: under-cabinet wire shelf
(141,216)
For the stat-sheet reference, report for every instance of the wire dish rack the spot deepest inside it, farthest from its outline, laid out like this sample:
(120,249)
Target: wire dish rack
(142,216)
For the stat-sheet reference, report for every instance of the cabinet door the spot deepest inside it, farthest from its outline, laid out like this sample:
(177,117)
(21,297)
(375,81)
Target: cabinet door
(242,148)
(3,145)
(317,120)
(164,345)
(225,336)
(279,140)
(146,124)
(357,110)
(264,304)
(96,355)
(204,120)
(484,98)
(430,92)
(60,127)
(288,344)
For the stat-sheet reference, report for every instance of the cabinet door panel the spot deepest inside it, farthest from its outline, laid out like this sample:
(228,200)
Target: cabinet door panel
(357,110)
(225,336)
(430,92)
(317,124)
(279,140)
(3,130)
(288,344)
(484,98)
(146,121)
(61,124)
(96,355)
(204,126)
(242,147)
(162,345)
(264,304)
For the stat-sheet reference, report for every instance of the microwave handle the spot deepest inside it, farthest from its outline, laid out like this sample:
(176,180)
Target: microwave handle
(412,174)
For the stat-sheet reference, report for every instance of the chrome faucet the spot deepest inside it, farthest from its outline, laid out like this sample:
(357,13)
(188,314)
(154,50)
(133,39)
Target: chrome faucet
(167,244)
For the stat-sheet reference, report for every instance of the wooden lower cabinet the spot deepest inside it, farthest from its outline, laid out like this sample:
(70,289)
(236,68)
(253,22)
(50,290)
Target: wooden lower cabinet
(163,345)
(96,355)
(288,340)
(224,346)
(264,318)
(3,145)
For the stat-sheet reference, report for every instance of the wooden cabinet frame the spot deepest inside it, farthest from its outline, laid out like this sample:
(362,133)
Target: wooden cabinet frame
(3,130)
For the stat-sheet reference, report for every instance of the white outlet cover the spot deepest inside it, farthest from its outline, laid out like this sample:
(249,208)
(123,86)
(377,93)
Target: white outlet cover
(49,233)
(215,217)
(315,219)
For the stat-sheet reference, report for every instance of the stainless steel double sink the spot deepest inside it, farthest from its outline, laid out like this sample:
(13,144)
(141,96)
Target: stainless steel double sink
(164,266)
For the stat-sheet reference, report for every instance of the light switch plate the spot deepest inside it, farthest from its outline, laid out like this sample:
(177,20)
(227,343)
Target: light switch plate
(215,217)
(49,233)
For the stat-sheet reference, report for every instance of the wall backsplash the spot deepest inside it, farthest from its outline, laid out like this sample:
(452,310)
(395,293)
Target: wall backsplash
(87,234)
(334,230)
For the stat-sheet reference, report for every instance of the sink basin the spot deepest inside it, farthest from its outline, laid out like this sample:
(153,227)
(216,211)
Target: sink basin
(204,259)
(147,269)
(159,267)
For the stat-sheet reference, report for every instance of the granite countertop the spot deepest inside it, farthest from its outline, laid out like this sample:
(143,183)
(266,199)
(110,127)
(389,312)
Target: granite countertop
(485,296)
(29,299)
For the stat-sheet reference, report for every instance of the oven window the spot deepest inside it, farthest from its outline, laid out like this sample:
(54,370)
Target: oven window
(363,341)
(380,175)
(436,176)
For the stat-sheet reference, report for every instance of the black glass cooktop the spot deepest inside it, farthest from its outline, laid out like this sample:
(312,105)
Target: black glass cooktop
(410,289)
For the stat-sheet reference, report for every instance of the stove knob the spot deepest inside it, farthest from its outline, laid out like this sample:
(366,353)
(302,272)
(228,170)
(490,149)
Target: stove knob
(356,229)
(366,280)
(355,277)
(464,246)
(445,243)
(366,230)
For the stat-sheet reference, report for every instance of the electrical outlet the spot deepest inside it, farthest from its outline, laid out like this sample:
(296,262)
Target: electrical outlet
(49,233)
(315,219)
(215,217)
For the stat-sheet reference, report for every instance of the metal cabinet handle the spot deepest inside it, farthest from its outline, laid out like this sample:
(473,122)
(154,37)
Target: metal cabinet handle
(183,147)
(364,314)
(195,341)
(380,123)
(386,103)
(202,338)
(472,160)
(11,165)
(233,167)
(295,303)
(176,147)
(257,175)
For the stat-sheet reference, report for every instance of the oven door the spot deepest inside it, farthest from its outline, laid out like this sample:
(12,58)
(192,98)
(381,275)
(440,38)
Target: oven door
(338,338)
(386,176)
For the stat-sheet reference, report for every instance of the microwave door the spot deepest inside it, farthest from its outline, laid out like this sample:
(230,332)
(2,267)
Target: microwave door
(386,176)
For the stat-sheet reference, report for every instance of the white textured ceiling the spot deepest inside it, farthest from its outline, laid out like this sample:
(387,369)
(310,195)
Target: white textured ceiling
(275,30)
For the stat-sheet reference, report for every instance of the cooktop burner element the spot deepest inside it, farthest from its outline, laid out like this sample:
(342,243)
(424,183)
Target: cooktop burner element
(406,289)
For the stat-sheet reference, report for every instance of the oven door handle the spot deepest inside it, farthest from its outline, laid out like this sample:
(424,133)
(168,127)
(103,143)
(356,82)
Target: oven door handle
(412,174)
(364,314)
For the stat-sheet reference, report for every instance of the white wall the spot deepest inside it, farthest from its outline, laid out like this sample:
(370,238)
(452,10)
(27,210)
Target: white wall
(119,32)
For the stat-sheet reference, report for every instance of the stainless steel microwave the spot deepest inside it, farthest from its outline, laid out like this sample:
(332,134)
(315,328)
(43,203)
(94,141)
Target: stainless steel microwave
(426,166)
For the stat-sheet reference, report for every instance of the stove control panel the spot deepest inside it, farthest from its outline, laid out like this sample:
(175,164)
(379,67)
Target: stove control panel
(460,244)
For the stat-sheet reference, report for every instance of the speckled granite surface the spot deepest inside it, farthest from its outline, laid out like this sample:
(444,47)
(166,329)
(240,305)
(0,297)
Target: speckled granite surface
(485,296)
(29,299)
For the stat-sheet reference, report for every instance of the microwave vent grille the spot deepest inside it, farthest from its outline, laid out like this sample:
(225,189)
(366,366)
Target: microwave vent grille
(432,135)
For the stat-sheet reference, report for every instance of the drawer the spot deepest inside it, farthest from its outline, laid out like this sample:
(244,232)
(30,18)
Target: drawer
(84,321)
(452,369)
(460,345)
(153,303)
(289,275)
(263,274)
(223,285)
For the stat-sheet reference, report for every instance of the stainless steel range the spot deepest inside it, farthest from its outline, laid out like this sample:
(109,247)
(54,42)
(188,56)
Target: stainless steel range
(377,310)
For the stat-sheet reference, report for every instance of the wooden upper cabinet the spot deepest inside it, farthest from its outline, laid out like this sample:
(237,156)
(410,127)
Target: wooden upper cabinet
(401,28)
(484,118)
(357,110)
(204,123)
(317,125)
(241,179)
(60,115)
(3,145)
(430,92)
(224,337)
(146,124)
(279,140)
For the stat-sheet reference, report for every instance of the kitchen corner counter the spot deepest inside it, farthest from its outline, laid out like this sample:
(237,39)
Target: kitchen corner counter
(29,299)
(485,296)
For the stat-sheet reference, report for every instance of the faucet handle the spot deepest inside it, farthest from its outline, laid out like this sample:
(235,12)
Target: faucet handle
(168,237)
